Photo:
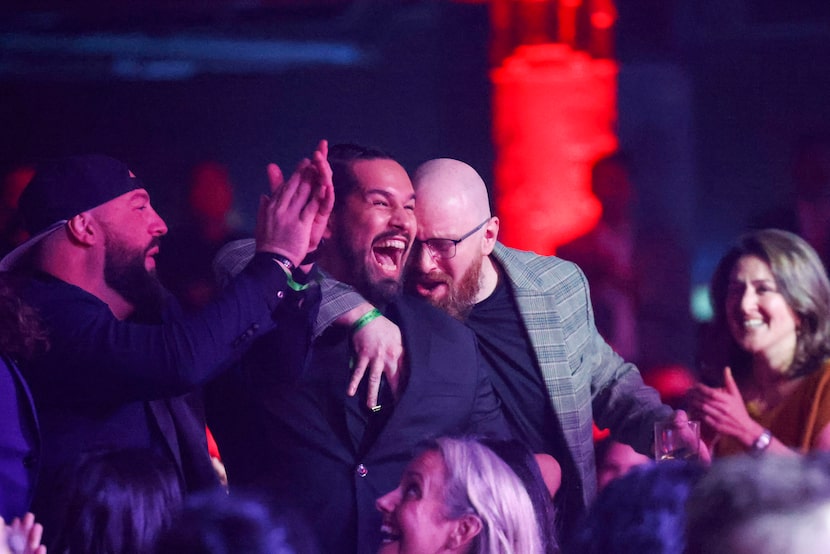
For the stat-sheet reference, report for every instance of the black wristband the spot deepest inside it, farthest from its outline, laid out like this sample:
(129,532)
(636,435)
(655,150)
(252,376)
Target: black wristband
(282,260)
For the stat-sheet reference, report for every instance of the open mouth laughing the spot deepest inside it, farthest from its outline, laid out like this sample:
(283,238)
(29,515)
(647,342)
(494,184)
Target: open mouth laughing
(389,533)
(431,283)
(748,325)
(390,253)
(753,323)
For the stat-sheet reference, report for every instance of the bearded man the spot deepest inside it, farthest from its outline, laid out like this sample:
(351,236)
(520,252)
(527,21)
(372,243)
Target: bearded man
(121,354)
(532,316)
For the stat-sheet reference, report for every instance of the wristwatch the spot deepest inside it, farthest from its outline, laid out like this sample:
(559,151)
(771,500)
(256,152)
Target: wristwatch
(283,261)
(762,442)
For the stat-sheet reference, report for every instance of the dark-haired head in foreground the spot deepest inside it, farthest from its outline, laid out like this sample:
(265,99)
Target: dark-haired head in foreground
(640,512)
(215,523)
(113,502)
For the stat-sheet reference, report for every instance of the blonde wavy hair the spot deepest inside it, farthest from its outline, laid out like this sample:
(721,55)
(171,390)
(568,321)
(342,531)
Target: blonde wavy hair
(479,482)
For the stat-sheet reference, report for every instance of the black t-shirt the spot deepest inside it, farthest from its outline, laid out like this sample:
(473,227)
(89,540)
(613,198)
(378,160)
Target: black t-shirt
(515,374)
(517,379)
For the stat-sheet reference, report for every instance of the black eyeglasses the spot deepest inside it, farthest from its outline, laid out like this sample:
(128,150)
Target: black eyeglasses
(444,249)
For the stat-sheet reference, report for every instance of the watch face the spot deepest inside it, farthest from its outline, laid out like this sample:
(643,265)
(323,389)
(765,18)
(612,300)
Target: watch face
(762,442)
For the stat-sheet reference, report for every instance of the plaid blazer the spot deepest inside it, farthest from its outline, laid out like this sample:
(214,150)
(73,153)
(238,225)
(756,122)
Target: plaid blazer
(585,379)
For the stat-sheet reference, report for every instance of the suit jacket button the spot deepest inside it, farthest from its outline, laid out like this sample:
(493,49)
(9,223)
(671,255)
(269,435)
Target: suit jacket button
(361,470)
(280,294)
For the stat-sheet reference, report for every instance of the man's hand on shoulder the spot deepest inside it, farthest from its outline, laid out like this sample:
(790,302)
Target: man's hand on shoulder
(378,348)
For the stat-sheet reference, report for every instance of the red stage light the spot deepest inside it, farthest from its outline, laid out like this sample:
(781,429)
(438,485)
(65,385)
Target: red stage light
(553,116)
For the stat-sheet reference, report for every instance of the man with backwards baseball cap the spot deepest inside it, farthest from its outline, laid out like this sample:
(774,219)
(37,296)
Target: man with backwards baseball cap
(120,353)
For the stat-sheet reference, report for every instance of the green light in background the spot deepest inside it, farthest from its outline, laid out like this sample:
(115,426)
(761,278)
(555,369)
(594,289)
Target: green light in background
(700,303)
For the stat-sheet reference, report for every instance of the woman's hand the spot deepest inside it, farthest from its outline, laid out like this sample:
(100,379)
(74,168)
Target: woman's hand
(724,410)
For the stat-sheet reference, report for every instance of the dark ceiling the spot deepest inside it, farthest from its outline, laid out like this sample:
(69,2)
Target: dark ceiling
(160,40)
(179,39)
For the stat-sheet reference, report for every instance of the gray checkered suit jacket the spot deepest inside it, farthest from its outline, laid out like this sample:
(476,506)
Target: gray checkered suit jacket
(585,379)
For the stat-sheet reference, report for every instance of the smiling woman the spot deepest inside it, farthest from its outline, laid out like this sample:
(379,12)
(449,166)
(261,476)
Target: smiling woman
(458,496)
(771,298)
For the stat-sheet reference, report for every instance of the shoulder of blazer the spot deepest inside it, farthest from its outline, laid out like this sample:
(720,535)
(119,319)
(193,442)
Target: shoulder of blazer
(531,270)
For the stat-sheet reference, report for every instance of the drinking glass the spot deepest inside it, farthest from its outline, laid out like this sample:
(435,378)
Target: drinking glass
(676,443)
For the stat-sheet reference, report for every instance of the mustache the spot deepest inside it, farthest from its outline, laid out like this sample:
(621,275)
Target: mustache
(154,242)
(434,277)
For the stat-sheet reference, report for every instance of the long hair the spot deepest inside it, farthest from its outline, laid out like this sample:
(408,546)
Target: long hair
(801,279)
(21,333)
(479,482)
(523,463)
(115,502)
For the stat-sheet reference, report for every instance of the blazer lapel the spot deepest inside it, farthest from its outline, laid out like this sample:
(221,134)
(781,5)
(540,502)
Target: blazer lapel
(187,415)
(355,419)
(539,300)
(161,414)
(22,385)
(418,355)
(542,320)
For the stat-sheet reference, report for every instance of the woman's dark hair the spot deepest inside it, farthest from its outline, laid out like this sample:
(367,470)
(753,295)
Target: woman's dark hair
(114,502)
(215,523)
(642,511)
(801,279)
(21,333)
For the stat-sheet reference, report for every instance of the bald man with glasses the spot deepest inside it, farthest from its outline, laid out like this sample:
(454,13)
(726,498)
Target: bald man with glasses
(532,317)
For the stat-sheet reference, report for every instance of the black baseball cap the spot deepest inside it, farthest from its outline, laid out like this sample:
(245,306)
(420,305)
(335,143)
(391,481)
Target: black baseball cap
(64,187)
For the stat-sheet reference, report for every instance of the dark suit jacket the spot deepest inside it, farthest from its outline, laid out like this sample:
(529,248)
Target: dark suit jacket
(108,385)
(325,453)
(19,442)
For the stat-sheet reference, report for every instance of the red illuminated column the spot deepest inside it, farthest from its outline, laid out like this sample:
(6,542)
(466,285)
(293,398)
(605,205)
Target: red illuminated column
(553,115)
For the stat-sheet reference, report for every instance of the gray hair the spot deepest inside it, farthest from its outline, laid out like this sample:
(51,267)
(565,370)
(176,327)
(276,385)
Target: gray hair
(772,504)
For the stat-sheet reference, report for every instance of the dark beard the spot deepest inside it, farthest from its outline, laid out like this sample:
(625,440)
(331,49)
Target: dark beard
(461,295)
(125,273)
(378,293)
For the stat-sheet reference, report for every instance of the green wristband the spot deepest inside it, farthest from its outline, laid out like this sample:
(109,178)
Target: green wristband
(364,320)
(294,285)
